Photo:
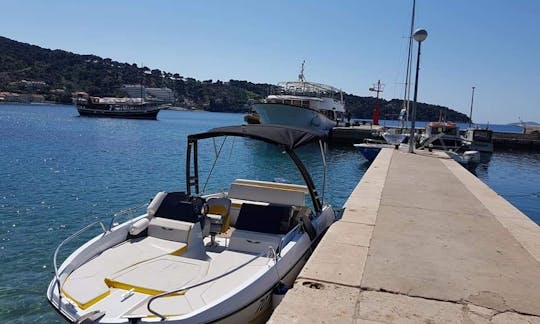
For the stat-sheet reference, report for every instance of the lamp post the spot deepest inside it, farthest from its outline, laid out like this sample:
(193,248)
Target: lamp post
(419,35)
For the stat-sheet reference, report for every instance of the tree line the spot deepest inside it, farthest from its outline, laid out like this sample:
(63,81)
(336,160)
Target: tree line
(62,73)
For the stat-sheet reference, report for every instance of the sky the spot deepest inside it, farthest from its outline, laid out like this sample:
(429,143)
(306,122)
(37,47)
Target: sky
(493,45)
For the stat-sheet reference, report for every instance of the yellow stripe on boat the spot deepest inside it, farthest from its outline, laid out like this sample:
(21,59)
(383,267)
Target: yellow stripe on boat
(180,251)
(89,303)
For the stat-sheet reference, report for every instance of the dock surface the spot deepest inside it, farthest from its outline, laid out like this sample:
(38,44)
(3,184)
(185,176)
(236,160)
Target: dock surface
(421,240)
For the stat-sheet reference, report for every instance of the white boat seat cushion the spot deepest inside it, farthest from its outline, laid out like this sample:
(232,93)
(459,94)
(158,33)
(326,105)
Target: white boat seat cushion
(272,192)
(264,193)
(253,242)
(168,229)
(161,274)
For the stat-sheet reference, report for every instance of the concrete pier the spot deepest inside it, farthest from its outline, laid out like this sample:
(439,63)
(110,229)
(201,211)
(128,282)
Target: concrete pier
(421,240)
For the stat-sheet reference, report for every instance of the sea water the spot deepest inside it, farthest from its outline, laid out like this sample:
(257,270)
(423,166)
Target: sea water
(60,172)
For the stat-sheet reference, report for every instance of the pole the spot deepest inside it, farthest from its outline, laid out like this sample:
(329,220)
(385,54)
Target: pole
(377,111)
(376,88)
(407,94)
(413,115)
(472,101)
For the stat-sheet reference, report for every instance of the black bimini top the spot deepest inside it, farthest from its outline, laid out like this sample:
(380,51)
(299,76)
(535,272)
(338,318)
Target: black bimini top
(289,137)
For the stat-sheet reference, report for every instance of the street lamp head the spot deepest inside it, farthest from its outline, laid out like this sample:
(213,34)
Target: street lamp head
(420,35)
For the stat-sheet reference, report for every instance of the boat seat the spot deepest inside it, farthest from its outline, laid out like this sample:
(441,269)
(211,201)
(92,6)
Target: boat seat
(178,206)
(264,193)
(254,242)
(271,219)
(218,217)
(170,230)
(219,212)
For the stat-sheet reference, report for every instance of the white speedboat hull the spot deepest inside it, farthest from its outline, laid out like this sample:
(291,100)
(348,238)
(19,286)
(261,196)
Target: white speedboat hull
(288,115)
(247,301)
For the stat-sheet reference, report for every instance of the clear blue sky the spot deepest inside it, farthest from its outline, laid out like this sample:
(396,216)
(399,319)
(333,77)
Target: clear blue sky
(491,44)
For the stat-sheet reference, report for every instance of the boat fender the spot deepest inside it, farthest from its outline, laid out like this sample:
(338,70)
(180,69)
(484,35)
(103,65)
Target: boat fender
(139,226)
(308,227)
(277,295)
(155,203)
(315,121)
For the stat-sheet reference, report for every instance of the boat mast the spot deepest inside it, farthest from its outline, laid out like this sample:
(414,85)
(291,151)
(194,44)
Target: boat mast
(301,76)
(378,87)
(472,101)
(407,94)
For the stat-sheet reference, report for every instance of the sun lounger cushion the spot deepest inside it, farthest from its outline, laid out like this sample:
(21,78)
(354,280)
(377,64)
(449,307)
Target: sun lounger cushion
(168,229)
(176,206)
(272,219)
(254,242)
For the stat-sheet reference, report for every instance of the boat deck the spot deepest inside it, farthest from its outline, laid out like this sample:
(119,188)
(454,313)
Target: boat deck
(121,280)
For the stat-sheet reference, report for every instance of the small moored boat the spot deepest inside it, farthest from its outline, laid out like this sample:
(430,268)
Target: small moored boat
(442,135)
(193,258)
(479,139)
(371,149)
(468,159)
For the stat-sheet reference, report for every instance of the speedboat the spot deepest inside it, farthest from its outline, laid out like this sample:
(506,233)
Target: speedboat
(479,139)
(194,257)
(303,104)
(370,149)
(442,135)
(468,159)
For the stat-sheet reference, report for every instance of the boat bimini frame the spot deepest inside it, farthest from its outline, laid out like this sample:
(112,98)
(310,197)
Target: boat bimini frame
(285,137)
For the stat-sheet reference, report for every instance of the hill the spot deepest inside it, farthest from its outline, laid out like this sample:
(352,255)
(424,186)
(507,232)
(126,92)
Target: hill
(56,74)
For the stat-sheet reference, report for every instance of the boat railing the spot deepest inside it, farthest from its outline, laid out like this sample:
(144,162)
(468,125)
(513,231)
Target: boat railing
(270,253)
(124,212)
(67,240)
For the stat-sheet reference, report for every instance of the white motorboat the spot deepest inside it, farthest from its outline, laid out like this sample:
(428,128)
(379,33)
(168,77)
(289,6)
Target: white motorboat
(193,258)
(479,139)
(442,135)
(468,159)
(370,149)
(303,104)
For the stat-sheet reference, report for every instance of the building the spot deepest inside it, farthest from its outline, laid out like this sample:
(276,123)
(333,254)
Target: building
(151,94)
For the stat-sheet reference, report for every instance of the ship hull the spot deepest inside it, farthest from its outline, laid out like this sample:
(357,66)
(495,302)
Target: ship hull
(130,114)
(289,115)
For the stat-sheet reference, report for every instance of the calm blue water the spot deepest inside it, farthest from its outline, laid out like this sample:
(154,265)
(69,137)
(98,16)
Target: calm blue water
(60,172)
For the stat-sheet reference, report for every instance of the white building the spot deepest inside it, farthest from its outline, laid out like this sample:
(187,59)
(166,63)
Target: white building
(156,94)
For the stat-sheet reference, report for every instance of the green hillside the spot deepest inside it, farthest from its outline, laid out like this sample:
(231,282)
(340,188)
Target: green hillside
(59,73)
